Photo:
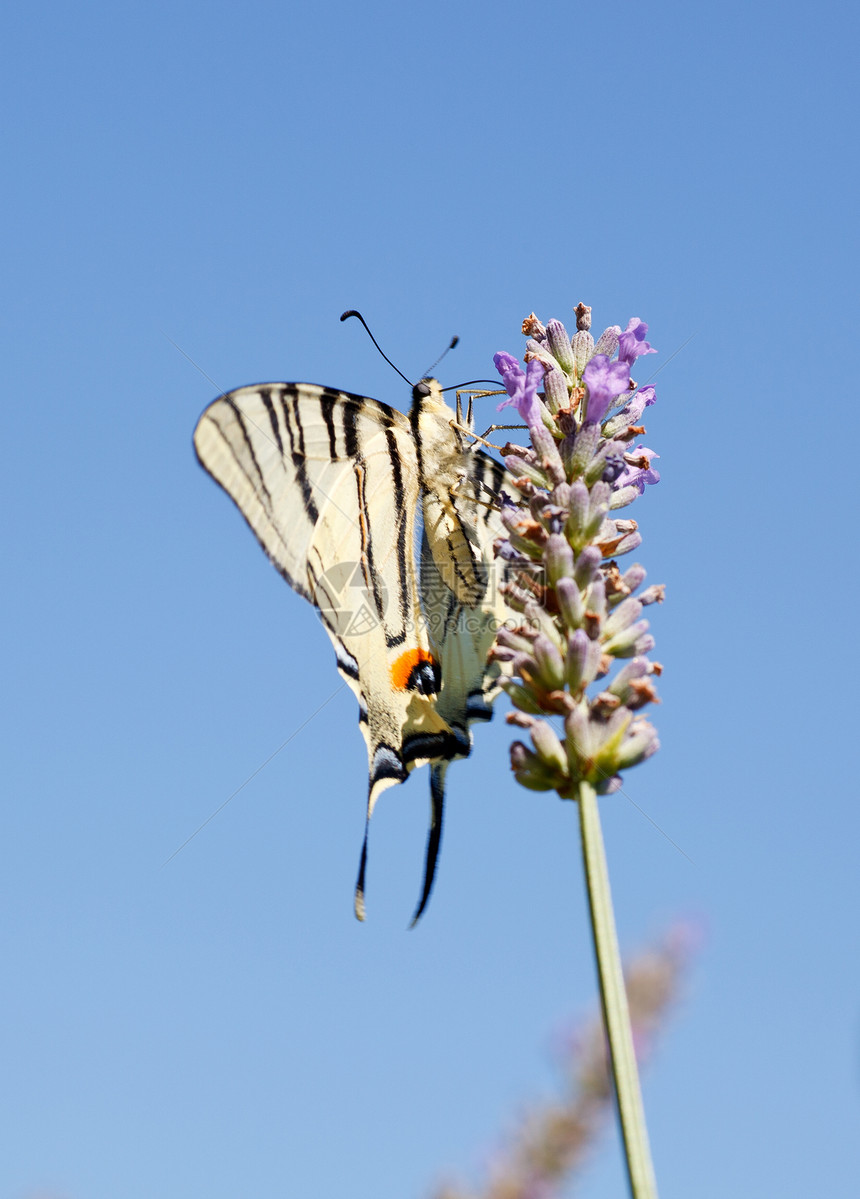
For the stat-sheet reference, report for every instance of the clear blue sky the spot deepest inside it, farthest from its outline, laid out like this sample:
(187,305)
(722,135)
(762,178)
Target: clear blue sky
(230,178)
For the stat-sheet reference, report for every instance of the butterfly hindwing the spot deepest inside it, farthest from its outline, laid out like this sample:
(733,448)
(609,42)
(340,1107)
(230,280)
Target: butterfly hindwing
(461,633)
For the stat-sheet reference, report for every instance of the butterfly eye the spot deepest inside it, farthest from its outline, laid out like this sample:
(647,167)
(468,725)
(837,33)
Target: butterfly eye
(421,390)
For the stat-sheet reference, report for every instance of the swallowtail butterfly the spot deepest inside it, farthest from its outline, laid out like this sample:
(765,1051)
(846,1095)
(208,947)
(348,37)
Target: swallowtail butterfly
(349,497)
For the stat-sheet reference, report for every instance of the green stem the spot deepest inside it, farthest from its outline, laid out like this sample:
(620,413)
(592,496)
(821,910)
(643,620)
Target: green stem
(613,998)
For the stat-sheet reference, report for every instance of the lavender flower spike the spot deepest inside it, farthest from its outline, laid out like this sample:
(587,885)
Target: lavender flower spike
(581,468)
(521,386)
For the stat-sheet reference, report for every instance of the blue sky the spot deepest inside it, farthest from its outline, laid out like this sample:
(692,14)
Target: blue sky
(229,180)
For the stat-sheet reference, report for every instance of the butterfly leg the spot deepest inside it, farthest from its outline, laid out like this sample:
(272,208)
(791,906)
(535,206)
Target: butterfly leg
(462,478)
(468,432)
(496,428)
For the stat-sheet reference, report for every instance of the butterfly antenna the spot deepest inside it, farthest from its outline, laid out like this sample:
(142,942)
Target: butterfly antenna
(494,383)
(352,312)
(454,341)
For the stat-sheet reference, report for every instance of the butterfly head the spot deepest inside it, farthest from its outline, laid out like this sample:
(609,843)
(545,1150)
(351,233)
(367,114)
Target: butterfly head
(427,396)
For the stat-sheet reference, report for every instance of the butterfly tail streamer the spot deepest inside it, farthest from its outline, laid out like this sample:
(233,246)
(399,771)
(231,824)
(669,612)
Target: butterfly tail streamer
(358,902)
(434,835)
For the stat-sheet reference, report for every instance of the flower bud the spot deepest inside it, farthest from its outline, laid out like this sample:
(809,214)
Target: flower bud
(655,594)
(558,557)
(521,697)
(520,755)
(645,643)
(521,469)
(622,617)
(528,769)
(640,743)
(625,643)
(581,661)
(549,663)
(539,351)
(577,728)
(578,515)
(634,576)
(595,598)
(549,748)
(607,342)
(623,497)
(556,390)
(617,425)
(587,564)
(561,496)
(523,665)
(559,344)
(613,539)
(570,602)
(524,545)
(627,544)
(515,597)
(636,668)
(583,449)
(609,736)
(541,621)
(547,449)
(597,508)
(582,344)
(512,639)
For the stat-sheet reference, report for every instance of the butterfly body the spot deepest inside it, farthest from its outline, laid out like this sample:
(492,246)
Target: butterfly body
(385,523)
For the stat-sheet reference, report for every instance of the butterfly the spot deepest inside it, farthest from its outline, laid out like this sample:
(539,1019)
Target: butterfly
(385,523)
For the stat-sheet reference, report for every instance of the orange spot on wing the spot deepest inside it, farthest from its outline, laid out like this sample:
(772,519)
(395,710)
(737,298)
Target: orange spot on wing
(402,667)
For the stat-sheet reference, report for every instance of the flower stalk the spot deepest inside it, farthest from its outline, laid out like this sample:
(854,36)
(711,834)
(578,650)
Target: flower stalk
(613,999)
(577,617)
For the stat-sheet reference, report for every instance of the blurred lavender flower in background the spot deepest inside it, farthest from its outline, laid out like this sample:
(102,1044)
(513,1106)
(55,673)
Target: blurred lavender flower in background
(553,1140)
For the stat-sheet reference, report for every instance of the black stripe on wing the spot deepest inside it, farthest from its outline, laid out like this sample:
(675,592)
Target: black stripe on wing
(346,663)
(266,397)
(249,445)
(491,474)
(296,435)
(401,547)
(456,743)
(477,707)
(328,403)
